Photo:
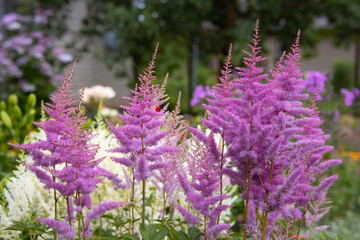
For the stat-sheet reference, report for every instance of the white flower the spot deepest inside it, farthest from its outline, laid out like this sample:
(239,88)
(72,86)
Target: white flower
(98,92)
(109,112)
(65,57)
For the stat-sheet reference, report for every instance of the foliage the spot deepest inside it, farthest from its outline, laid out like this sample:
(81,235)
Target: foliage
(15,125)
(342,228)
(29,227)
(343,75)
(344,18)
(346,191)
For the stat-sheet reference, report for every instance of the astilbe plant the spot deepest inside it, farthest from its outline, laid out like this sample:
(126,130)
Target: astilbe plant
(274,143)
(141,136)
(200,186)
(165,180)
(66,162)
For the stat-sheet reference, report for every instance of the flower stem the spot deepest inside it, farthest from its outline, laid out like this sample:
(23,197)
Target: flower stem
(164,206)
(143,202)
(56,210)
(81,216)
(221,175)
(301,222)
(206,237)
(246,212)
(132,200)
(265,218)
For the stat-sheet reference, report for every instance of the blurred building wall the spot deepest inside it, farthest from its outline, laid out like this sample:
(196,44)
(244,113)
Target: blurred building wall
(91,68)
(325,55)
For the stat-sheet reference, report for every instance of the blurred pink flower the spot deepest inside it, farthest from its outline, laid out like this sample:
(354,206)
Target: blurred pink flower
(315,83)
(349,95)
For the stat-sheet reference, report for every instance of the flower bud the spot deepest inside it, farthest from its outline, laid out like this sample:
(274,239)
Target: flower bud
(31,101)
(6,119)
(13,99)
(17,112)
(2,106)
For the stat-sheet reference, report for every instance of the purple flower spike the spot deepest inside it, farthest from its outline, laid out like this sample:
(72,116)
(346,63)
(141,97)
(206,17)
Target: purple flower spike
(64,229)
(142,133)
(274,144)
(65,161)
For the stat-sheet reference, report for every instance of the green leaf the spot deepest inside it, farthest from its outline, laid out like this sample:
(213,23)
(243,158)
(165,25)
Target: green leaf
(337,237)
(128,236)
(174,235)
(324,236)
(194,233)
(161,234)
(183,235)
(148,231)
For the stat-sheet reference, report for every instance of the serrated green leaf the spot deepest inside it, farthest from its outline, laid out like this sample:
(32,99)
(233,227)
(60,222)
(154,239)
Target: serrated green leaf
(174,235)
(128,236)
(183,235)
(148,231)
(194,233)
(161,234)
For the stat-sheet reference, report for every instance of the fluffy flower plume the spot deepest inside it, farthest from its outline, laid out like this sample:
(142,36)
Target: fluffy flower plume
(169,185)
(141,135)
(65,161)
(201,186)
(259,116)
(65,230)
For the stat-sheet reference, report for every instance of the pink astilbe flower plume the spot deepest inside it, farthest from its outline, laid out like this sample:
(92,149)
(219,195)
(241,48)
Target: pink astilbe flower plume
(65,161)
(200,188)
(169,186)
(142,136)
(274,143)
(65,230)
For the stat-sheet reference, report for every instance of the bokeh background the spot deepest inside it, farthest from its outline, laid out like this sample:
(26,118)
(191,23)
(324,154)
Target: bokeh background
(113,41)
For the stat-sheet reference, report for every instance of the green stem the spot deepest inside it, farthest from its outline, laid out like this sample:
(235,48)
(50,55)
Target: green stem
(143,202)
(132,200)
(79,227)
(246,212)
(265,218)
(81,217)
(265,226)
(56,210)
(301,223)
(164,206)
(68,209)
(221,175)
(206,237)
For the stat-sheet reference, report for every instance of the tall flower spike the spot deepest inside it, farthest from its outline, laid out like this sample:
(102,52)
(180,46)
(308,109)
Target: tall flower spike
(167,176)
(273,142)
(65,161)
(200,190)
(142,136)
